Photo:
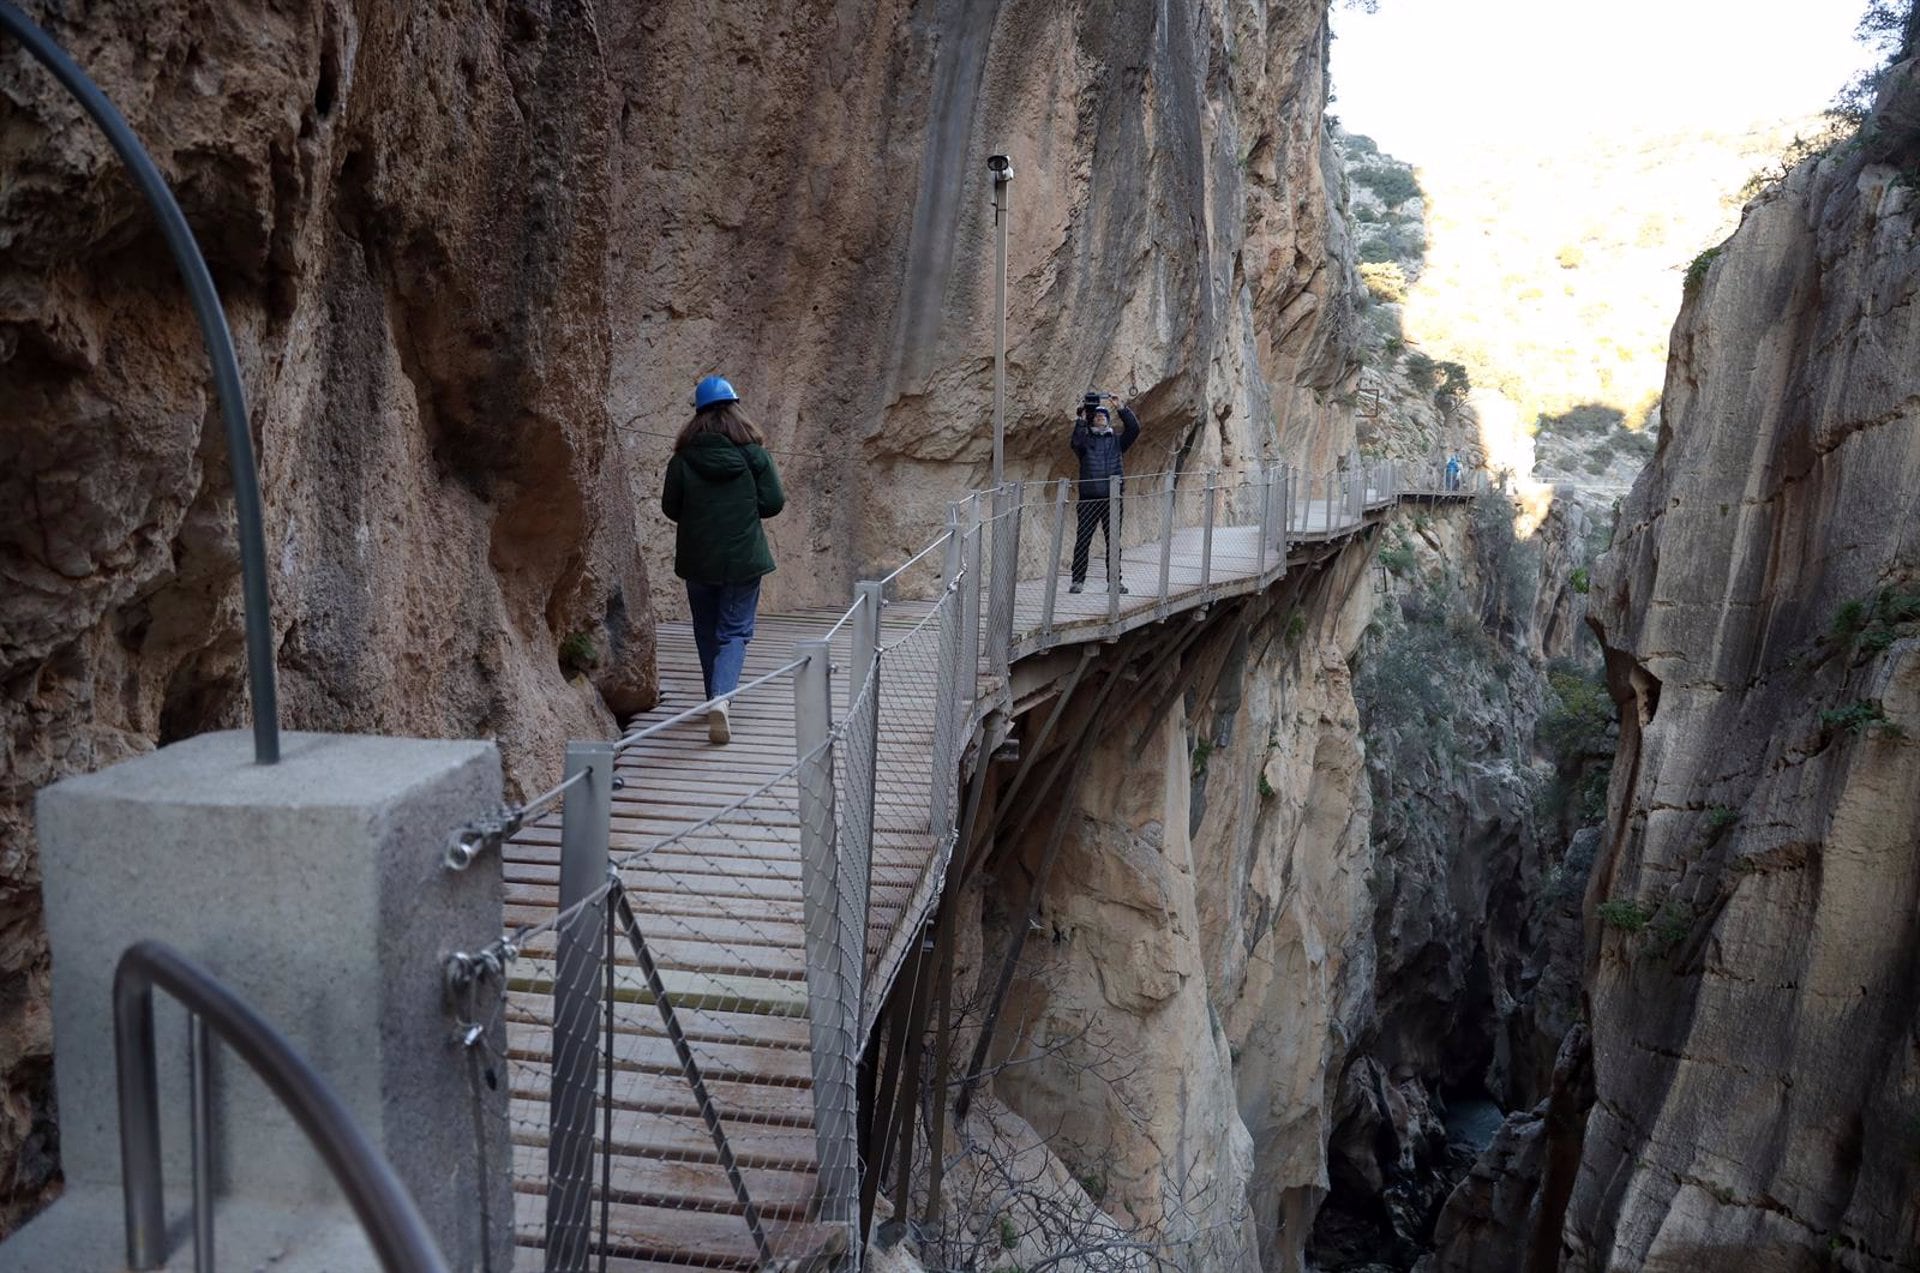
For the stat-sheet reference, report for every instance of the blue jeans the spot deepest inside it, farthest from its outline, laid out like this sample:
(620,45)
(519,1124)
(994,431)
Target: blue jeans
(722,626)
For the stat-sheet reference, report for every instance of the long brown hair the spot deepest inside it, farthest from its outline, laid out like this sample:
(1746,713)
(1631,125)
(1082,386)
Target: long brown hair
(724,418)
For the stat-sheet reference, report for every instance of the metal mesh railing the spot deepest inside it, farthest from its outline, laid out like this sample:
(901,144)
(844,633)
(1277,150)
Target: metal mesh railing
(919,722)
(700,942)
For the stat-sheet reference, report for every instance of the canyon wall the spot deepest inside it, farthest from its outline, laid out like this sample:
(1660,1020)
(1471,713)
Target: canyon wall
(406,214)
(803,204)
(462,254)
(1754,915)
(1199,961)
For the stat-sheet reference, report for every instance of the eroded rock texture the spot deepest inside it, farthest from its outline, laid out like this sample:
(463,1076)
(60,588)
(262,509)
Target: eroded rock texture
(803,203)
(1755,913)
(405,209)
(1182,1012)
(1475,895)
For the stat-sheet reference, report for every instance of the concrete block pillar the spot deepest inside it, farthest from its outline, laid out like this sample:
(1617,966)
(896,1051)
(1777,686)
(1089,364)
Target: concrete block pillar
(315,889)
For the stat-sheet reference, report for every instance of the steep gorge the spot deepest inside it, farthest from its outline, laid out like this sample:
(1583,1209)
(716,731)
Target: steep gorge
(1301,905)
(460,252)
(1758,1077)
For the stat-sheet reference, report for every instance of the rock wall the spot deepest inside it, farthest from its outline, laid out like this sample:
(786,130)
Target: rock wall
(1754,917)
(1475,894)
(803,203)
(459,251)
(406,213)
(1177,1025)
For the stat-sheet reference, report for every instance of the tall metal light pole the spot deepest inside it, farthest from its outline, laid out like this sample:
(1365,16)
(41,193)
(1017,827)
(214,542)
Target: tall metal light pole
(1002,169)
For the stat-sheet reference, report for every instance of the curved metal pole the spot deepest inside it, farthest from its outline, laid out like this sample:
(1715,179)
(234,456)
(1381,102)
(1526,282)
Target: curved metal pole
(399,1236)
(226,369)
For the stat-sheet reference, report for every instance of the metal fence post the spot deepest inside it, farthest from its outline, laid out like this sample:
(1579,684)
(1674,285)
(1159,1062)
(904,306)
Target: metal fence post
(865,635)
(1286,507)
(200,1081)
(1006,576)
(1166,545)
(1115,512)
(1277,494)
(970,587)
(862,768)
(1206,535)
(834,960)
(1266,515)
(576,1008)
(948,714)
(1053,560)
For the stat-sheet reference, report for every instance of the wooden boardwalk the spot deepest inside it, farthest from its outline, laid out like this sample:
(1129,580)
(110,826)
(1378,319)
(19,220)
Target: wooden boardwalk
(722,910)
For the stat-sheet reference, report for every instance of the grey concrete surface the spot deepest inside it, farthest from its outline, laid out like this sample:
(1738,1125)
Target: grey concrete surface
(314,888)
(82,1233)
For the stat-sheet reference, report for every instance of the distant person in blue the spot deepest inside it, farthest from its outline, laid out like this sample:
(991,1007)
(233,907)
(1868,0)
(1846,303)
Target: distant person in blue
(1453,472)
(720,484)
(1099,449)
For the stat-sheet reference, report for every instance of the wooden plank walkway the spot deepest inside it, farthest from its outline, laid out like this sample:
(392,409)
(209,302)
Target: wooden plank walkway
(722,909)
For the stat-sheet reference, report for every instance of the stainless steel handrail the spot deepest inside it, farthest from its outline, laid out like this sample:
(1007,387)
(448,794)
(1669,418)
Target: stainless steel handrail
(226,369)
(399,1236)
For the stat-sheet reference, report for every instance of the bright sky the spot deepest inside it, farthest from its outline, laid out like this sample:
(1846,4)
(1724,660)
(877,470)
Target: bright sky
(1424,77)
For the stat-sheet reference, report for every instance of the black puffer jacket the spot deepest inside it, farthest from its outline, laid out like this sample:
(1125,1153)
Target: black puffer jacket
(1100,452)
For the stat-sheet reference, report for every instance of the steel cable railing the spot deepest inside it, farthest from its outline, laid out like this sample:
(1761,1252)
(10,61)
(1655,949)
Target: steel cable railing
(692,972)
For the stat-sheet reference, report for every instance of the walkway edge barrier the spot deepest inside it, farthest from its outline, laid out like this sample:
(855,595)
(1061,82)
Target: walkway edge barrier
(579,947)
(835,962)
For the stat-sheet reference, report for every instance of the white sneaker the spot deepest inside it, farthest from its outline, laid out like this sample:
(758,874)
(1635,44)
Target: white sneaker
(719,729)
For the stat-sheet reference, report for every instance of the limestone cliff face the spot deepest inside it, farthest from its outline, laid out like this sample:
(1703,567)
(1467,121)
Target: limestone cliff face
(802,202)
(1755,912)
(1175,1031)
(406,214)
(457,250)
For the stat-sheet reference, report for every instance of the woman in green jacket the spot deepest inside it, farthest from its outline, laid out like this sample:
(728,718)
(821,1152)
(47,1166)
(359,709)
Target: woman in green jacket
(720,483)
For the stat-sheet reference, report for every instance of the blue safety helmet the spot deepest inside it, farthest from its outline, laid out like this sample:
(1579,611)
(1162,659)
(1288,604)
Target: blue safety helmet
(711,391)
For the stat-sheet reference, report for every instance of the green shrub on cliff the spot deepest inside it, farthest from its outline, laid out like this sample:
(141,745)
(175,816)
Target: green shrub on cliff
(578,654)
(1624,914)
(1398,559)
(1858,717)
(1393,185)
(1578,721)
(1385,282)
(1875,623)
(1697,269)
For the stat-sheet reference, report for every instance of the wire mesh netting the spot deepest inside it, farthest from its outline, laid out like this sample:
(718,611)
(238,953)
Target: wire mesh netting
(917,721)
(661,1043)
(674,1053)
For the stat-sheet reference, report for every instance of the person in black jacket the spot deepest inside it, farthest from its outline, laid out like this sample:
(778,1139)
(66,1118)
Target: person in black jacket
(720,485)
(1099,449)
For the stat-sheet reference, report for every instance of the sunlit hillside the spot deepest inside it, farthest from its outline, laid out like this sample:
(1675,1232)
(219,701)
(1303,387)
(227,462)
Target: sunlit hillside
(1555,278)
